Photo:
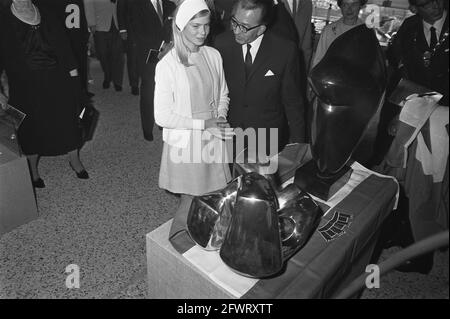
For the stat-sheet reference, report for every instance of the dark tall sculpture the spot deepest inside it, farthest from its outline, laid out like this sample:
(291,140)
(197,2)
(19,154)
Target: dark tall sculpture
(349,82)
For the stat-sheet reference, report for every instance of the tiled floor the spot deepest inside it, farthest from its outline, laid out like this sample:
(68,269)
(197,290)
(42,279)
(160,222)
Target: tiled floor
(100,224)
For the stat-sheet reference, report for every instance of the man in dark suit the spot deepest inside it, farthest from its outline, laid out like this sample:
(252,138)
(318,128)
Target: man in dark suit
(101,16)
(262,73)
(419,53)
(148,25)
(420,48)
(301,13)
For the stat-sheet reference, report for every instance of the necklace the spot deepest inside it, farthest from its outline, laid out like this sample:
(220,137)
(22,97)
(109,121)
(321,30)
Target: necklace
(35,19)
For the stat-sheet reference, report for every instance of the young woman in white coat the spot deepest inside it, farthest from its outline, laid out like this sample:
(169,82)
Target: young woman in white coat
(191,105)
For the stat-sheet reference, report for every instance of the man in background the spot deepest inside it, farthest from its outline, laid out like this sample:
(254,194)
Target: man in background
(102,21)
(419,51)
(301,13)
(148,24)
(130,43)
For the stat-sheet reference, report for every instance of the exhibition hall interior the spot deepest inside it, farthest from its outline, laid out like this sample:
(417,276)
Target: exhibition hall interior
(224,149)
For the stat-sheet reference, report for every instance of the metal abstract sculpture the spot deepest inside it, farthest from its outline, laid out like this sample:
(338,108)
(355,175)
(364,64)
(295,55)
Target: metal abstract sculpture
(255,226)
(349,82)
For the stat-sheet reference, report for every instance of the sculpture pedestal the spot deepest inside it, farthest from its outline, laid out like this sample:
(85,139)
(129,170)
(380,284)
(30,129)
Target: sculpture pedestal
(170,275)
(308,178)
(17,202)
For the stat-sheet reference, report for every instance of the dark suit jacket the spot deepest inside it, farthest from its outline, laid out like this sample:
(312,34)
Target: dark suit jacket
(408,49)
(265,101)
(141,21)
(283,24)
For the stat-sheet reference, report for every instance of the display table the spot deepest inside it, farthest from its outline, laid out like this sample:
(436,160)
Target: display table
(333,256)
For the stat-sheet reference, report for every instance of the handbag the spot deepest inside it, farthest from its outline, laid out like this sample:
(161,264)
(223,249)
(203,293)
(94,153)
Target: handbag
(88,122)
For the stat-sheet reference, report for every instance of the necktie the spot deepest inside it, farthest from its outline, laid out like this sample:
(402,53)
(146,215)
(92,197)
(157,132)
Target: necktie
(159,10)
(248,60)
(433,38)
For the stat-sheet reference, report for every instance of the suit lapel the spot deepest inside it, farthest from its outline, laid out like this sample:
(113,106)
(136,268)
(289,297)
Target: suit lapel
(287,6)
(421,40)
(444,28)
(264,52)
(153,13)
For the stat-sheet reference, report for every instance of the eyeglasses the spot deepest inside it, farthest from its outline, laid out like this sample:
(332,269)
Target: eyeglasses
(427,4)
(242,28)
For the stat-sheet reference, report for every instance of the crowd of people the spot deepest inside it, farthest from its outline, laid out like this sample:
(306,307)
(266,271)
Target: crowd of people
(198,65)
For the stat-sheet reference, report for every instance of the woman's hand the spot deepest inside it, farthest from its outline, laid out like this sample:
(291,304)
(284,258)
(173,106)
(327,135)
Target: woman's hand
(219,127)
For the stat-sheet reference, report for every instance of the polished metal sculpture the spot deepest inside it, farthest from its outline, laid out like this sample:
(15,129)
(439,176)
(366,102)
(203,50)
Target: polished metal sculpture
(255,226)
(210,215)
(349,82)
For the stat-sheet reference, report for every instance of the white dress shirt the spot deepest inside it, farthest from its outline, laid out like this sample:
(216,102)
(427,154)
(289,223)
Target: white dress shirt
(254,47)
(438,25)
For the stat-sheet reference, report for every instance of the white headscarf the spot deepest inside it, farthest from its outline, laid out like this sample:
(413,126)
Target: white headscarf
(188,9)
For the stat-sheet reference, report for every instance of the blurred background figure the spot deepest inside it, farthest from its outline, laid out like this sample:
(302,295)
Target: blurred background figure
(130,43)
(419,51)
(102,21)
(148,25)
(43,83)
(301,13)
(350,12)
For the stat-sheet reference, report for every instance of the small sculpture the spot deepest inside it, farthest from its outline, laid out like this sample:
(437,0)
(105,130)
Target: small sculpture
(255,226)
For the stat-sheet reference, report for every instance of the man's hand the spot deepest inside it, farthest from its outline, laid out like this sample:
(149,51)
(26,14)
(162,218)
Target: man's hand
(124,35)
(92,29)
(164,49)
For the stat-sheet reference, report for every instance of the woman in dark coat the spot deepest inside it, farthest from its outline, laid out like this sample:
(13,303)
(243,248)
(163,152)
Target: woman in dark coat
(43,83)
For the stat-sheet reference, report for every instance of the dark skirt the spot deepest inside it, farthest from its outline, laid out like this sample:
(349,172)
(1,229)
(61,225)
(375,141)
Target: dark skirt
(51,124)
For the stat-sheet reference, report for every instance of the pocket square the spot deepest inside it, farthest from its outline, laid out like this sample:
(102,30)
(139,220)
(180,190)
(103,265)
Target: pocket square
(269,73)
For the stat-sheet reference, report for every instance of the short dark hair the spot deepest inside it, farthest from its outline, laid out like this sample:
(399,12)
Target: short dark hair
(266,7)
(361,2)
